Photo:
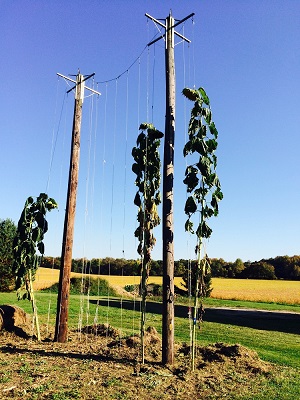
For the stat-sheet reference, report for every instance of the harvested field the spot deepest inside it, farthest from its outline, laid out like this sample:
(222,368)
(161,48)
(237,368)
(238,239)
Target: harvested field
(276,291)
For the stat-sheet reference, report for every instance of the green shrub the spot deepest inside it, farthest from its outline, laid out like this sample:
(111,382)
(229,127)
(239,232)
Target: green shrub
(7,233)
(91,286)
(130,288)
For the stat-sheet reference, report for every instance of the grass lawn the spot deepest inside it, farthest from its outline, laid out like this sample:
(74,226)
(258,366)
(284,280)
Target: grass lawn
(52,372)
(275,346)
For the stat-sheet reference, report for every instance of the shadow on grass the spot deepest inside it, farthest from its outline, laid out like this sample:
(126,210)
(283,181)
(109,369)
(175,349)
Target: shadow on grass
(286,322)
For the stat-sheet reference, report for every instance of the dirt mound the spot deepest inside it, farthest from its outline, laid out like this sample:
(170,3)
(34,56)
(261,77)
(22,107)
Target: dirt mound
(101,330)
(113,364)
(14,319)
(215,355)
(151,338)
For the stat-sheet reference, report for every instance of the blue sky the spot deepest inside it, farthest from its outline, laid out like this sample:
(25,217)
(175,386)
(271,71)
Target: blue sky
(245,53)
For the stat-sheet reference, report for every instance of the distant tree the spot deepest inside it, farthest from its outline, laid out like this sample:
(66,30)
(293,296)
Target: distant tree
(180,267)
(7,233)
(259,270)
(286,267)
(237,268)
(50,262)
(218,267)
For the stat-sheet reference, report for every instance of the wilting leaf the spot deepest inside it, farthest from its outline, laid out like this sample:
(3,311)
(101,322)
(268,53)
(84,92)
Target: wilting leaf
(191,180)
(41,247)
(203,231)
(190,205)
(189,226)
(137,199)
(155,134)
(190,94)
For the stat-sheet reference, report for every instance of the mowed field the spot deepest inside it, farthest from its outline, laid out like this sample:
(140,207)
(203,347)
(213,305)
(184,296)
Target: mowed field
(276,291)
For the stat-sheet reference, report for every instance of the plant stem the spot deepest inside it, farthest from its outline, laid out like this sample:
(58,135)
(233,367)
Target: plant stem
(198,269)
(34,308)
(143,306)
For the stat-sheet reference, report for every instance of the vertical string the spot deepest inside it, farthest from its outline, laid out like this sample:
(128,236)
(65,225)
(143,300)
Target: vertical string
(147,86)
(53,136)
(102,182)
(139,95)
(125,188)
(112,198)
(194,67)
(153,84)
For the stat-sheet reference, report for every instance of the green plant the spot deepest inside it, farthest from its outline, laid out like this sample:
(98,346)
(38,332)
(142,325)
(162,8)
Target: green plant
(146,166)
(32,227)
(130,288)
(91,286)
(7,233)
(202,184)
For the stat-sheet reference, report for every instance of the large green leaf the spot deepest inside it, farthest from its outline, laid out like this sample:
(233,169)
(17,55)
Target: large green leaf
(141,138)
(136,168)
(199,146)
(36,234)
(201,133)
(204,96)
(213,129)
(187,148)
(204,166)
(212,144)
(206,112)
(41,247)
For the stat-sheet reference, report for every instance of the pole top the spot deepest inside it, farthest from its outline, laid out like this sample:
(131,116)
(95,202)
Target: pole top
(169,27)
(80,79)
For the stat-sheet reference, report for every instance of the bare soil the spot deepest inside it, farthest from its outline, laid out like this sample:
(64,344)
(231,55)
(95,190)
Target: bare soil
(97,364)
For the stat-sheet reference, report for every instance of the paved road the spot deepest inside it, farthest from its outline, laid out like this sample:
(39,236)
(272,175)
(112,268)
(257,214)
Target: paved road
(288,322)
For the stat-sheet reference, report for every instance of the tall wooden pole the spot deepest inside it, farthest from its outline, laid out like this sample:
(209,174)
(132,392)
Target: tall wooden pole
(61,328)
(167,222)
(168,178)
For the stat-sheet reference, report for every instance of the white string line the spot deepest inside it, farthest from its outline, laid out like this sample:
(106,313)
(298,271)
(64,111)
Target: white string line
(87,202)
(102,191)
(112,197)
(125,188)
(194,66)
(153,82)
(54,136)
(94,157)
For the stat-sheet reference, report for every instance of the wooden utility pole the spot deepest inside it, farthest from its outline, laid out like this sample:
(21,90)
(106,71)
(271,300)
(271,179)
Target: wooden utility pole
(168,178)
(61,327)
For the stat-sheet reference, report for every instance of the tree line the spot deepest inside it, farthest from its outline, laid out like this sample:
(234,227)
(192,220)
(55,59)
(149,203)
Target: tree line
(281,267)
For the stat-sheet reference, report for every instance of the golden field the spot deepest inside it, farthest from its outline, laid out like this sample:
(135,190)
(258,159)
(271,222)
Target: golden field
(234,289)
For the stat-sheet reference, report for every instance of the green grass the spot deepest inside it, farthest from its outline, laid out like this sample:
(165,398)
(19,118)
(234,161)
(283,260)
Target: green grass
(278,347)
